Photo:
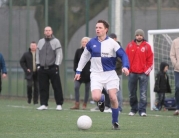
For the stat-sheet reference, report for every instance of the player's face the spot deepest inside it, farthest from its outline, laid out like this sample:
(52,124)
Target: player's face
(84,42)
(139,38)
(48,31)
(100,30)
(33,46)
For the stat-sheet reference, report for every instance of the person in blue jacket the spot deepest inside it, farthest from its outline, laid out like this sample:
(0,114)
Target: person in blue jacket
(3,70)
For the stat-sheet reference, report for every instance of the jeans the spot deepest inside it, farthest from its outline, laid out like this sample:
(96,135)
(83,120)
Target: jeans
(160,97)
(177,89)
(77,91)
(132,86)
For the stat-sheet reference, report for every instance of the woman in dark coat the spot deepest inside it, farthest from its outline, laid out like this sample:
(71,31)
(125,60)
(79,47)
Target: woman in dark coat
(162,85)
(85,76)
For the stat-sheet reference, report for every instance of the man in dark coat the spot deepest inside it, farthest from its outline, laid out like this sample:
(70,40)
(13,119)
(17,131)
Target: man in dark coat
(28,64)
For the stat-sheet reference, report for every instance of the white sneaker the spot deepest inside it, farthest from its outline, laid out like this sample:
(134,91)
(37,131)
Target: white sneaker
(143,114)
(42,107)
(131,114)
(59,107)
(108,110)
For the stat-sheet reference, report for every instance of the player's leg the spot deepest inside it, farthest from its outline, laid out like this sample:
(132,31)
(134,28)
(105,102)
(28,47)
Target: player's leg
(96,90)
(98,97)
(114,107)
(113,86)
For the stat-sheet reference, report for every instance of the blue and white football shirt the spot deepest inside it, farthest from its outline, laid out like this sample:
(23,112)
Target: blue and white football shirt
(103,55)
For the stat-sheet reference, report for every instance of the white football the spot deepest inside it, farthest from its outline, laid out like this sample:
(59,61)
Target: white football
(84,122)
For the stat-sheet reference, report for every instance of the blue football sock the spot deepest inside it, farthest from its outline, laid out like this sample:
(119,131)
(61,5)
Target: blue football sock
(115,114)
(102,98)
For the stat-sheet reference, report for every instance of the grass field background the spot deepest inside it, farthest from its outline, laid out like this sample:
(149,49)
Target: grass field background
(20,120)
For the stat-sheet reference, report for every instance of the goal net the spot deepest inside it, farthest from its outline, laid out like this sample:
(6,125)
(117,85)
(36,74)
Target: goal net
(160,41)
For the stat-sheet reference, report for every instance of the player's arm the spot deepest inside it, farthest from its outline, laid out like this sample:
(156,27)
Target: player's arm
(125,62)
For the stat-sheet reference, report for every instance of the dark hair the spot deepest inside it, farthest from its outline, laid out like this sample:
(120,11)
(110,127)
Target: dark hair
(33,42)
(113,35)
(106,25)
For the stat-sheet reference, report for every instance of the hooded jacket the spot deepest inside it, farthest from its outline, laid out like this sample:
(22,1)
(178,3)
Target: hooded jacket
(26,62)
(140,57)
(49,52)
(162,81)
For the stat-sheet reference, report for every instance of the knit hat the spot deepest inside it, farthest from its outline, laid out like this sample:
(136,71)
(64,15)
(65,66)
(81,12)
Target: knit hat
(113,35)
(139,32)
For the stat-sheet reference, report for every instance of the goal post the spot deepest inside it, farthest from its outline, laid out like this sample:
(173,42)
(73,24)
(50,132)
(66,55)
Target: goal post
(160,41)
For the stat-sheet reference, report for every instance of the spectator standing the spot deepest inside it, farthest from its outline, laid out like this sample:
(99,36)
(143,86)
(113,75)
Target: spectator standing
(48,58)
(141,63)
(28,64)
(85,76)
(174,56)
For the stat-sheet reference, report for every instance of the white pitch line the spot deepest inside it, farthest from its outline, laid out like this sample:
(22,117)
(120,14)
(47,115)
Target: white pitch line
(16,106)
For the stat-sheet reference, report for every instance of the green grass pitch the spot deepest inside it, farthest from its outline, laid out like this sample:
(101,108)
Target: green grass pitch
(20,120)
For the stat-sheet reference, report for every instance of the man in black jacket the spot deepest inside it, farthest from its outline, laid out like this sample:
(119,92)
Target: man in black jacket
(28,64)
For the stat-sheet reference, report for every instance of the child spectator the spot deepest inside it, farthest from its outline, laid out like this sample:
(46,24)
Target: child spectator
(162,85)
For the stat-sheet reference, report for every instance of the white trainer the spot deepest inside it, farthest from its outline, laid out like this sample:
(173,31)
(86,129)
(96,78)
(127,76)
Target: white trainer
(59,107)
(143,114)
(131,114)
(108,110)
(42,107)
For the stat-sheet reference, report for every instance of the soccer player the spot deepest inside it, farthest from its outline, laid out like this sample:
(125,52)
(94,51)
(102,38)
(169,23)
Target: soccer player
(103,51)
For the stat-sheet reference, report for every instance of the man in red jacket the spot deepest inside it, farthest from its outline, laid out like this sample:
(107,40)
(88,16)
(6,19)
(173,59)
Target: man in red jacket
(141,63)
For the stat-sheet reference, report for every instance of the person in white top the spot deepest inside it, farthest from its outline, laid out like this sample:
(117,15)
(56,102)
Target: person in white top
(103,52)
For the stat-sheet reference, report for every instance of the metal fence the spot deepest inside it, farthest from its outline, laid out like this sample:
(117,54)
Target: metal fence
(23,21)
